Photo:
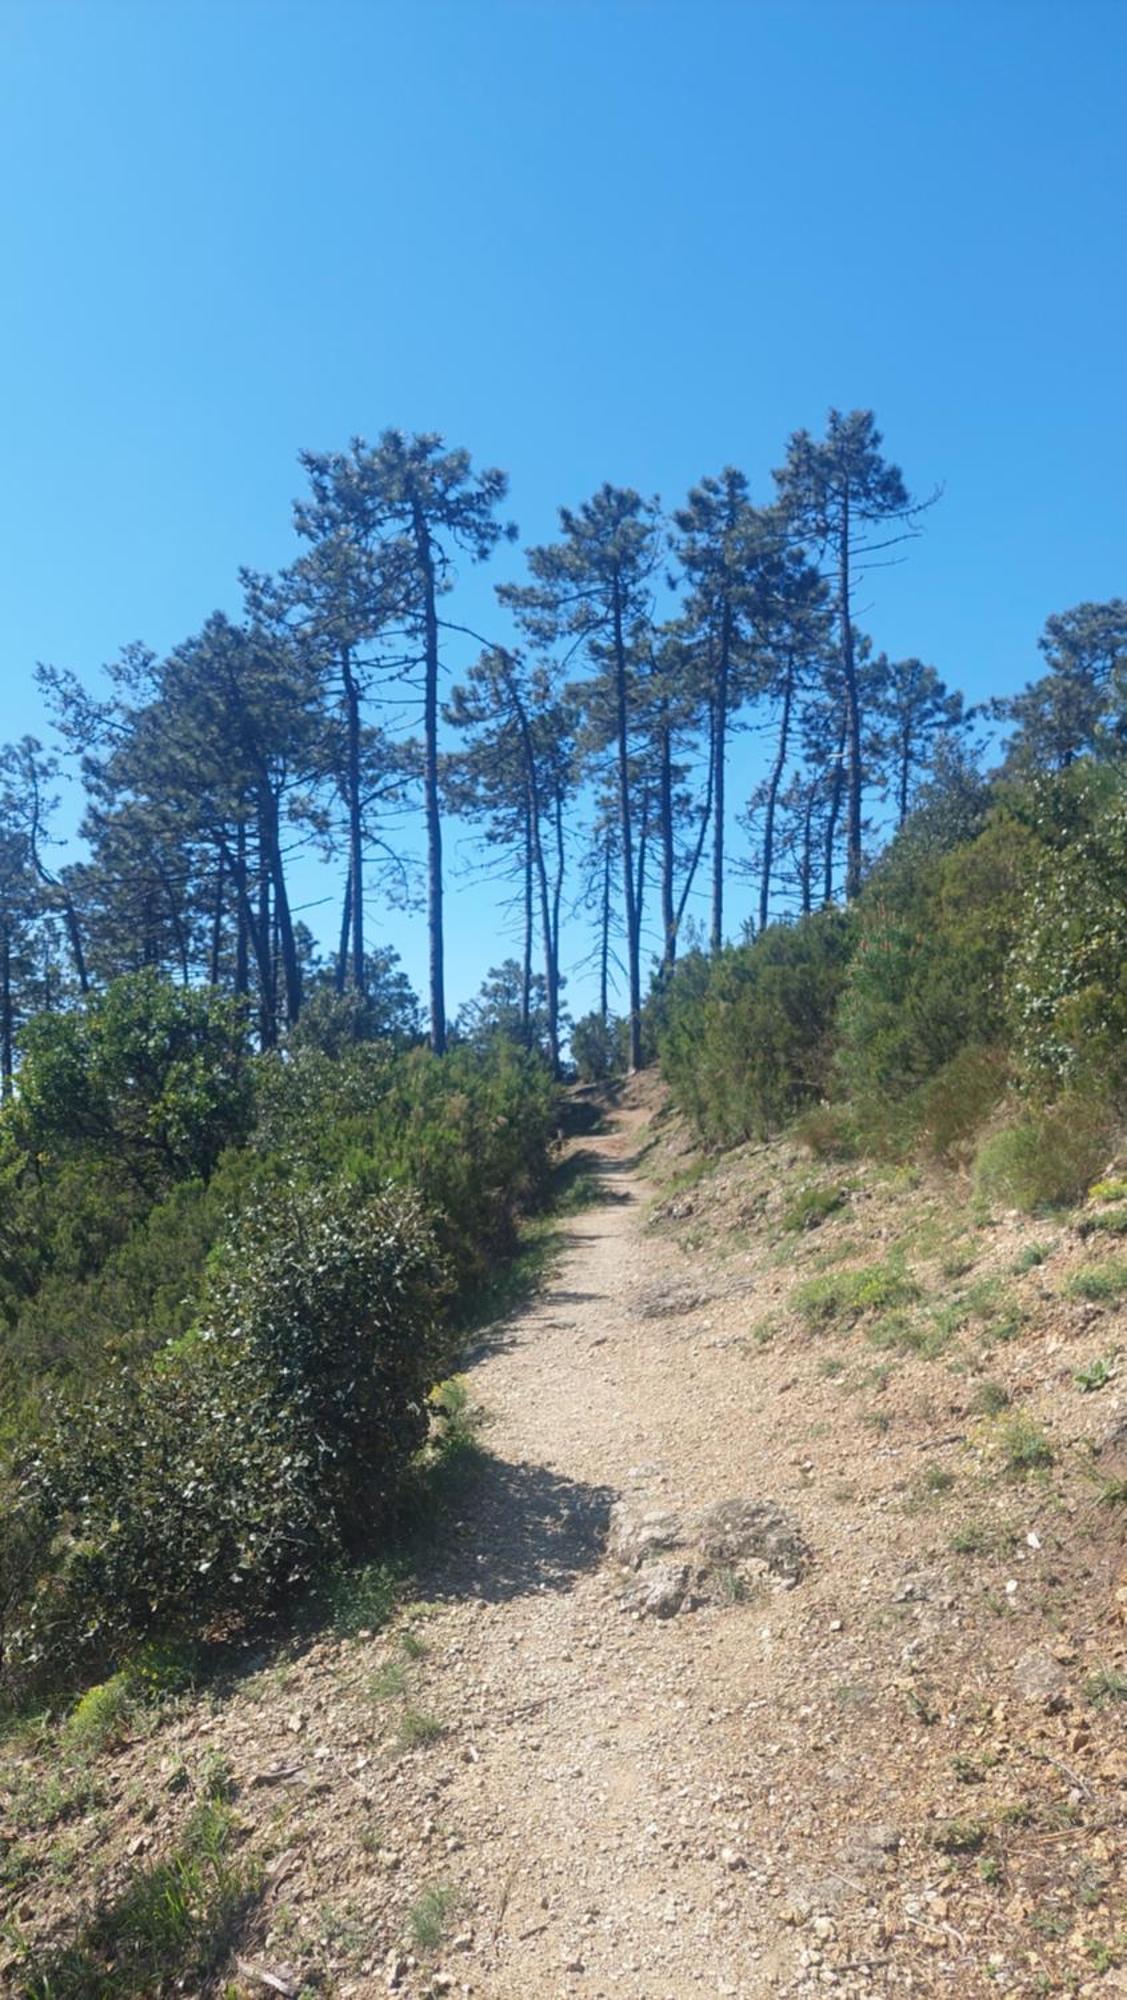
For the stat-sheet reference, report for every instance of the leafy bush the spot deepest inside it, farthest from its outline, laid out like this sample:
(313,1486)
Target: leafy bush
(1068,985)
(195,1494)
(147,1076)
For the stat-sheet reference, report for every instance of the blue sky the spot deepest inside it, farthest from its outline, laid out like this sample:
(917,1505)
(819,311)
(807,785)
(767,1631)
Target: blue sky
(589,239)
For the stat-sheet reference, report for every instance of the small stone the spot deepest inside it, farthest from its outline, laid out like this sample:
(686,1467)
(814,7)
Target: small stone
(731,1859)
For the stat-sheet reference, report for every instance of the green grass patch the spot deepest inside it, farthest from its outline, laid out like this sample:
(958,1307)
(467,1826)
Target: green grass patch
(170,1929)
(990,1398)
(1104,1283)
(811,1206)
(102,1717)
(847,1296)
(959,1836)
(1110,1222)
(389,1682)
(1097,1374)
(1029,1258)
(430,1916)
(1106,1684)
(1024,1446)
(1046,1157)
(417,1729)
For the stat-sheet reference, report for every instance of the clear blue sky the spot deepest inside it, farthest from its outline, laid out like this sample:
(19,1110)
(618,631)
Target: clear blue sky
(589,239)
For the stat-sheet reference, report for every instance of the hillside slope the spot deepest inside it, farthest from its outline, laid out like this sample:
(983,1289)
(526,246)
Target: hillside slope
(777,1647)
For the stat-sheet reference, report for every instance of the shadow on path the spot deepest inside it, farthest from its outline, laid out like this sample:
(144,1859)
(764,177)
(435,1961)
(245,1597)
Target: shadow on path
(528,1531)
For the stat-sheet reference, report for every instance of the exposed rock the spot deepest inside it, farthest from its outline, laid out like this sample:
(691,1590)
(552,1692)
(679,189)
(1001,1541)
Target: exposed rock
(742,1530)
(639,1532)
(1037,1676)
(659,1591)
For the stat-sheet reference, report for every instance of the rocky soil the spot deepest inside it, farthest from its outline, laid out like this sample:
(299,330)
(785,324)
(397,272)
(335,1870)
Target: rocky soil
(754,1664)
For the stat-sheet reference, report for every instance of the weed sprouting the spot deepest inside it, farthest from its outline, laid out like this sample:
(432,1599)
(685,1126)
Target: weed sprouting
(430,1915)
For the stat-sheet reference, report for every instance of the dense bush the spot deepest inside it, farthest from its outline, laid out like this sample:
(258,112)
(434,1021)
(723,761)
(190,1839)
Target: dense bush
(1068,985)
(149,1079)
(193,1494)
(220,1342)
(1046,1155)
(747,1040)
(987,952)
(600,1048)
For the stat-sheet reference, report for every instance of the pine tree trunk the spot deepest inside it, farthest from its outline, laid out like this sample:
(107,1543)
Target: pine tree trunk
(430,787)
(720,753)
(837,786)
(776,779)
(340,973)
(260,937)
(624,810)
(216,925)
(242,910)
(806,865)
(6,1029)
(287,948)
(665,795)
(355,828)
(526,891)
(852,711)
(604,948)
(74,936)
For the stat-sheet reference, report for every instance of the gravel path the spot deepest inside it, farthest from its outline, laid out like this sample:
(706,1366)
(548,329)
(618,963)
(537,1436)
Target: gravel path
(615,1759)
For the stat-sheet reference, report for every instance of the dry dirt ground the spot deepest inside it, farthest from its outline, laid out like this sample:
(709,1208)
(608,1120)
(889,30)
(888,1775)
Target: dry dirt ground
(889,1761)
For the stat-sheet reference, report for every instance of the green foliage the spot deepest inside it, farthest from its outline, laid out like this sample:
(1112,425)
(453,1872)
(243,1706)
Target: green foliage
(387,1010)
(1068,984)
(199,1491)
(148,1078)
(846,1296)
(102,1716)
(430,1915)
(470,1132)
(748,1036)
(920,1028)
(600,1049)
(1046,1156)
(1105,1283)
(167,1931)
(1024,1446)
(811,1206)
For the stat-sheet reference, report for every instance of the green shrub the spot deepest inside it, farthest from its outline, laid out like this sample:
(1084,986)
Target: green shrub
(1024,1446)
(747,1036)
(102,1716)
(168,1929)
(197,1493)
(1046,1156)
(600,1049)
(1067,985)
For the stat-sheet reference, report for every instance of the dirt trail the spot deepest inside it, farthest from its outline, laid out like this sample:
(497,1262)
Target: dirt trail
(611,1813)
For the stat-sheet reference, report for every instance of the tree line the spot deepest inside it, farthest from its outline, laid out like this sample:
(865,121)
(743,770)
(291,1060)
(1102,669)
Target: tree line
(590,748)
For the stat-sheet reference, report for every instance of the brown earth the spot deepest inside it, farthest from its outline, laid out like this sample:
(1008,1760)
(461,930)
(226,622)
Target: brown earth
(900,1770)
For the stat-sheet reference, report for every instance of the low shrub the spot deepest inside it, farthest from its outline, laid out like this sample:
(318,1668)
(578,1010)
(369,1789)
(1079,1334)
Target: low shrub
(849,1295)
(1046,1156)
(1104,1283)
